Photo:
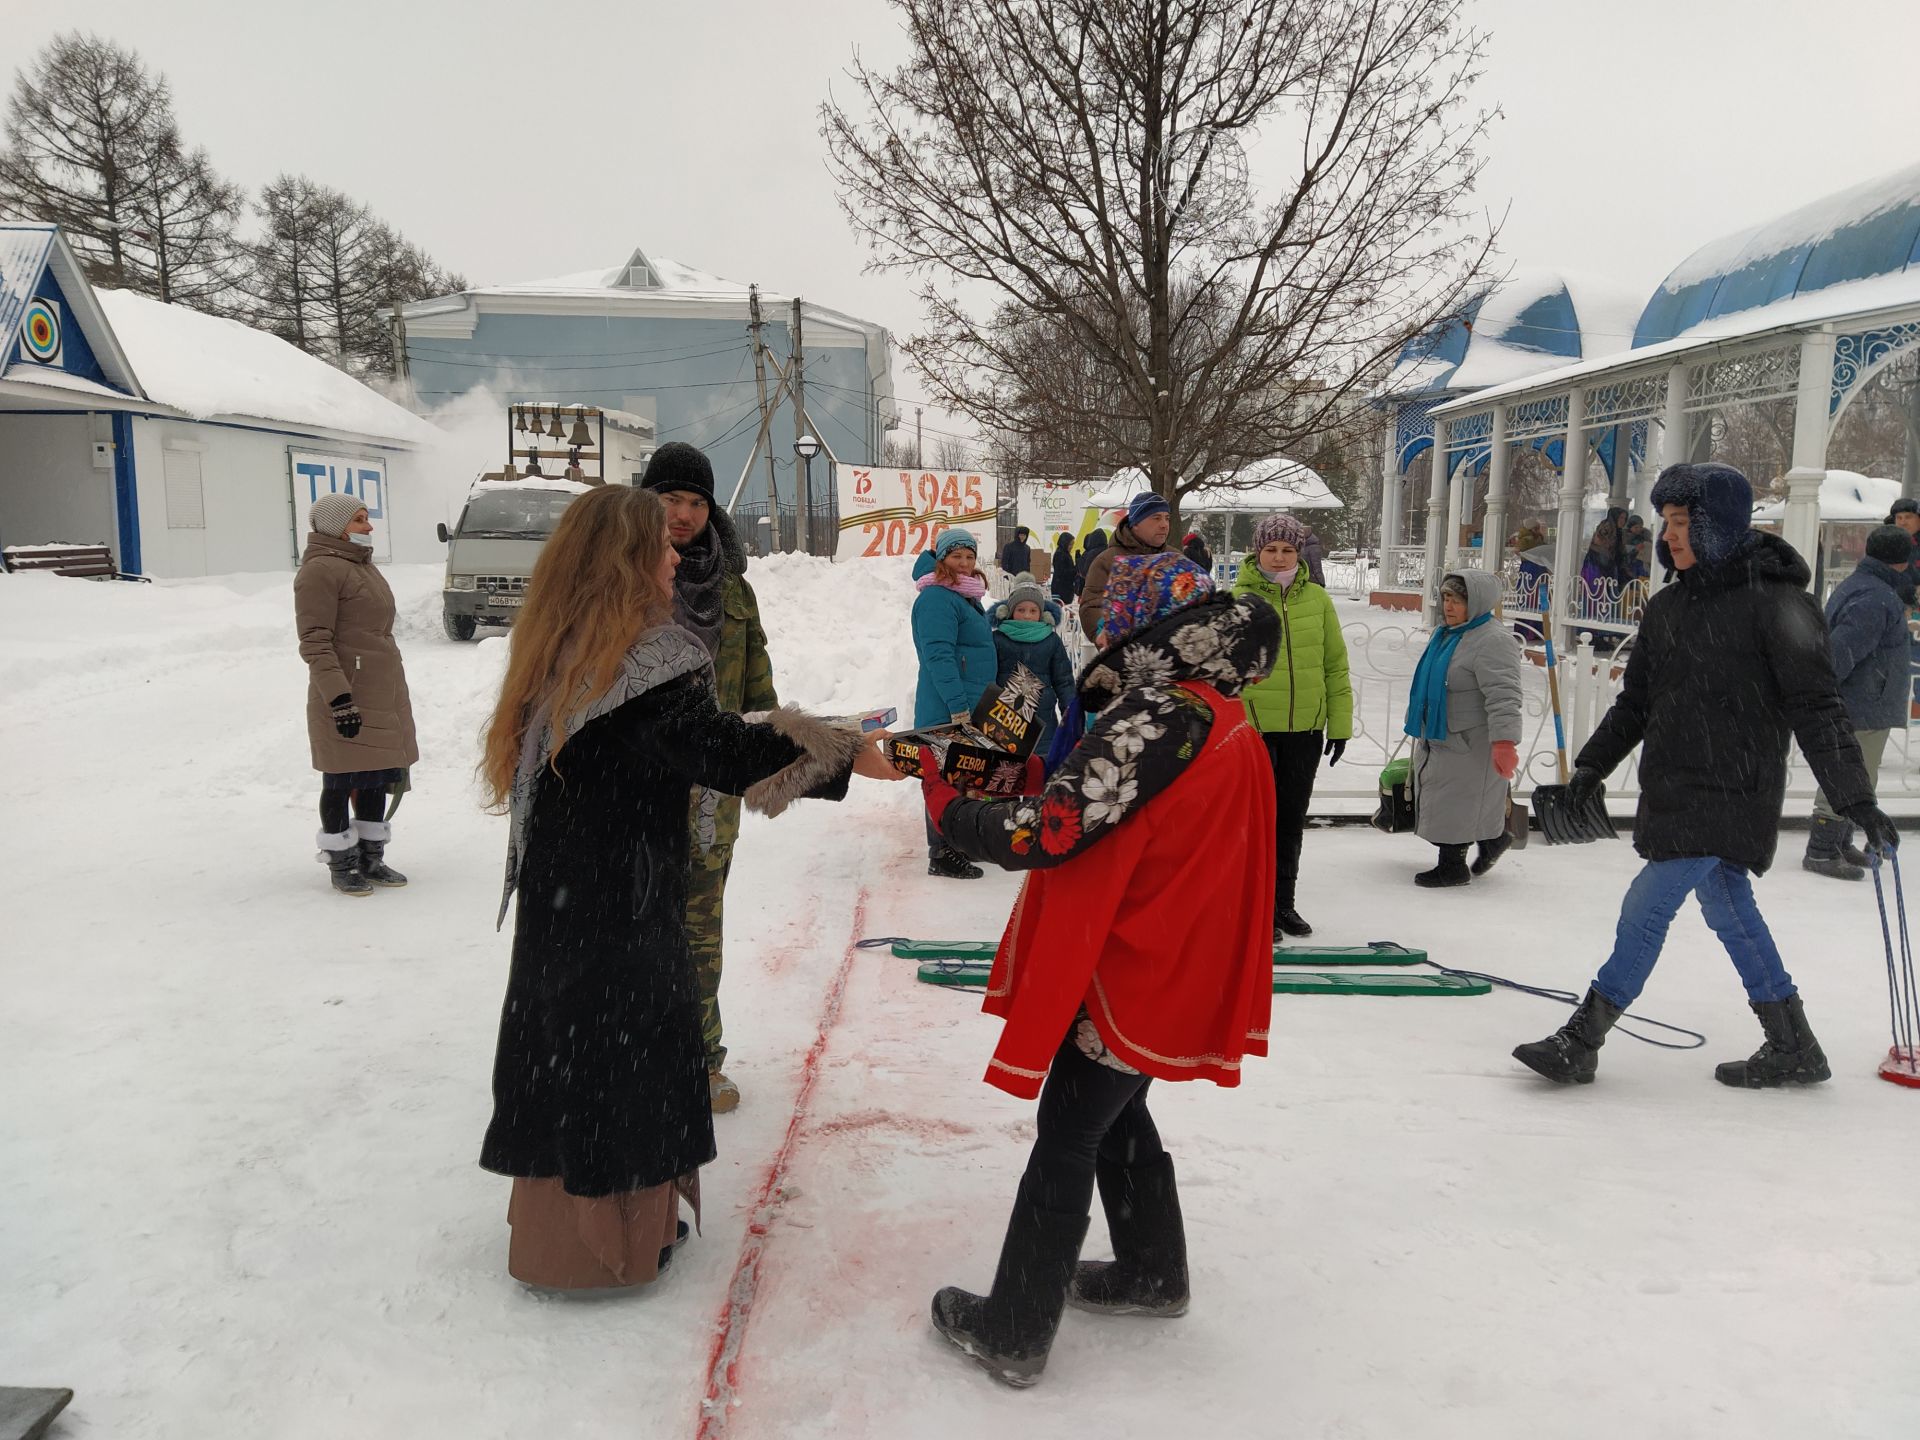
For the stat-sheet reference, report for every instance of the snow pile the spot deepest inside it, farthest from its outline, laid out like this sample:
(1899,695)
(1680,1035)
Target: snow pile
(212,368)
(240,1197)
(1276,483)
(1845,495)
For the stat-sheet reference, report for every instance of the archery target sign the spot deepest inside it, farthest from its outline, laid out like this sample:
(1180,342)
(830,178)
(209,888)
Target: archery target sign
(40,331)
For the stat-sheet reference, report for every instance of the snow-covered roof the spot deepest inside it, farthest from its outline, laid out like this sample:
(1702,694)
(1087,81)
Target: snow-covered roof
(27,250)
(1845,495)
(1257,489)
(1530,321)
(1869,230)
(211,368)
(492,485)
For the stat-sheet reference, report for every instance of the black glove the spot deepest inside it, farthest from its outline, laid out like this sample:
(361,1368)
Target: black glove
(1335,749)
(1877,823)
(1584,785)
(346,716)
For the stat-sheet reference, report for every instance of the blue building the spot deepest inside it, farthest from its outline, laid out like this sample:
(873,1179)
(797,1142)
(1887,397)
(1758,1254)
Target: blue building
(666,342)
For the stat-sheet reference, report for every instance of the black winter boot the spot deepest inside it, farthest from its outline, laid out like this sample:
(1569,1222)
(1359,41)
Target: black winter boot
(949,864)
(1490,853)
(1823,857)
(1452,869)
(341,855)
(1571,1055)
(1148,1274)
(374,835)
(1852,853)
(1788,1056)
(1289,922)
(1009,1331)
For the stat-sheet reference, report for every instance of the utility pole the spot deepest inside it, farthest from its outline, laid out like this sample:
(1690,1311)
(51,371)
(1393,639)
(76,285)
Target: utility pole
(919,458)
(401,372)
(765,437)
(801,427)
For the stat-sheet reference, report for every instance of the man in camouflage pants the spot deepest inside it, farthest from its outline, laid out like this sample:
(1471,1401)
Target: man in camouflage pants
(712,599)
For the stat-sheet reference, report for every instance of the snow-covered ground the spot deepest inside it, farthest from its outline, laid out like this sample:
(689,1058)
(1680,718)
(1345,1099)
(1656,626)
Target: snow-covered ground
(238,1195)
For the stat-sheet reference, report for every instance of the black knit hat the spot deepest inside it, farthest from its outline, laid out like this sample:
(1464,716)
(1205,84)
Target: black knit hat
(679,466)
(1889,544)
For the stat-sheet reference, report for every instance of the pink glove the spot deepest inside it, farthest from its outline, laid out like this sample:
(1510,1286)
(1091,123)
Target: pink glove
(1506,759)
(937,793)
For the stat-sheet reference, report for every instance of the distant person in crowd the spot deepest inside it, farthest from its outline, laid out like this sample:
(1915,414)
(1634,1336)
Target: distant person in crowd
(1600,573)
(1731,662)
(1906,514)
(1313,555)
(1026,631)
(1139,952)
(1016,556)
(957,661)
(1867,635)
(1145,531)
(1638,549)
(1304,708)
(714,603)
(1464,714)
(602,1109)
(1091,550)
(1195,549)
(1065,580)
(359,716)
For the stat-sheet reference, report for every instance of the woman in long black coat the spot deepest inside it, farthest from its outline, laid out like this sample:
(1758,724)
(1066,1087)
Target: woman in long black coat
(601,1109)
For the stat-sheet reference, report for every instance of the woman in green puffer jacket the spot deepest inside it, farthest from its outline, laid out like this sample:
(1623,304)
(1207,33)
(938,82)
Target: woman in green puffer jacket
(1305,707)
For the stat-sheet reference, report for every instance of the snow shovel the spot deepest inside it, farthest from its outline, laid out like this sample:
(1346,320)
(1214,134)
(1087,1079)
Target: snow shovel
(25,1414)
(1564,823)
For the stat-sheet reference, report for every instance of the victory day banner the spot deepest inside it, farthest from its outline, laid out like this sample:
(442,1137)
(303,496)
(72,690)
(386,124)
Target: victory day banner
(902,512)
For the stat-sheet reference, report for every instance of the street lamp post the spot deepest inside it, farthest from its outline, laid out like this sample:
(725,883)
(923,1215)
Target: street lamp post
(806,447)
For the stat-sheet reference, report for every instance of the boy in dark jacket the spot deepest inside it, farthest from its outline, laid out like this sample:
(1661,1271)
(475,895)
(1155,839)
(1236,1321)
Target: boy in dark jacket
(1867,622)
(1731,662)
(1026,631)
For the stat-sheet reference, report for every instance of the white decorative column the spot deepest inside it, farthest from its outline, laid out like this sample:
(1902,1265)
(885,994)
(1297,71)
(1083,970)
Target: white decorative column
(1571,542)
(1811,407)
(1459,488)
(1389,496)
(1436,525)
(1493,534)
(1620,478)
(1673,451)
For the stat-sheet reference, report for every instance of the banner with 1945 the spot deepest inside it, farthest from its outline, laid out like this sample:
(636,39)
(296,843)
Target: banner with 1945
(902,512)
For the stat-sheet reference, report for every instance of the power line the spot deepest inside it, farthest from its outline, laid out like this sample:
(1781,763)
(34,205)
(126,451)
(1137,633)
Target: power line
(510,365)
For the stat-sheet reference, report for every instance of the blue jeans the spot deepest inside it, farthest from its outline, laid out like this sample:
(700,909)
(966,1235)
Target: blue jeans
(1726,900)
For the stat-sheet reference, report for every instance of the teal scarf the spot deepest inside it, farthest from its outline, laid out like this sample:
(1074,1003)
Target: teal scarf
(1427,704)
(1027,632)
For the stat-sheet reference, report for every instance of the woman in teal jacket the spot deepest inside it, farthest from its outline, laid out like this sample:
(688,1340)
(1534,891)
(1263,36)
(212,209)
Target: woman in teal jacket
(1305,707)
(957,661)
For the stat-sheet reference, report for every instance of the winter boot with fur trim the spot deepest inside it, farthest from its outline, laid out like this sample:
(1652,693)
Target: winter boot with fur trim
(374,835)
(1825,836)
(1009,1331)
(1452,869)
(1571,1055)
(340,853)
(1148,1274)
(1788,1056)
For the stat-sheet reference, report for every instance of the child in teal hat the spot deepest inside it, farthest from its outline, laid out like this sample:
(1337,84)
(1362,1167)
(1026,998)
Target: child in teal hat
(1026,631)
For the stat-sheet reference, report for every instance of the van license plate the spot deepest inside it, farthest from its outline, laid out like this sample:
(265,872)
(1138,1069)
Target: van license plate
(508,599)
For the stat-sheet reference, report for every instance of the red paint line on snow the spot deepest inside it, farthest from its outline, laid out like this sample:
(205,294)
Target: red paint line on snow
(730,1330)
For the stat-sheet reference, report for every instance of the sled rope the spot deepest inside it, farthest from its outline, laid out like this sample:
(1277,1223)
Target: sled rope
(1903,993)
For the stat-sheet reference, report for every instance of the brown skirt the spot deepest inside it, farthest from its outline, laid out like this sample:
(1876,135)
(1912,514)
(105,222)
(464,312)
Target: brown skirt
(571,1242)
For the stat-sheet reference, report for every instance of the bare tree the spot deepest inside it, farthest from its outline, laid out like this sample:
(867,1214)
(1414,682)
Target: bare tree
(184,248)
(1082,165)
(81,128)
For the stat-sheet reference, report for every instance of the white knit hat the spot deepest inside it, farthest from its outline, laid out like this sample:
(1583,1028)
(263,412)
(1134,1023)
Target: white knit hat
(331,514)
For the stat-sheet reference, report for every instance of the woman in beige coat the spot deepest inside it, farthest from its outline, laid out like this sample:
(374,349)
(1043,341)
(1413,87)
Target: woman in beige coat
(359,719)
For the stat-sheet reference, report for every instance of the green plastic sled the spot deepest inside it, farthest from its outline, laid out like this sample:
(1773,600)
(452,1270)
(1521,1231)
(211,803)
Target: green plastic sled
(1380,952)
(1285,981)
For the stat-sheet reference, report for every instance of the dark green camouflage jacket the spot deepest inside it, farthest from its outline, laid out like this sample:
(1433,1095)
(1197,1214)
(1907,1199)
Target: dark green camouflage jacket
(742,684)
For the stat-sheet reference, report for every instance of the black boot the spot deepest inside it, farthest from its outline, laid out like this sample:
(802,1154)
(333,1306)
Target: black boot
(1788,1056)
(1289,922)
(342,856)
(1571,1054)
(374,835)
(1009,1331)
(1850,852)
(1148,1274)
(950,864)
(1452,869)
(1490,853)
(1823,856)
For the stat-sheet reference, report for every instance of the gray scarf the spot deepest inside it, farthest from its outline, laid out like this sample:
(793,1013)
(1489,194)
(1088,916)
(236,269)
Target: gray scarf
(661,655)
(699,590)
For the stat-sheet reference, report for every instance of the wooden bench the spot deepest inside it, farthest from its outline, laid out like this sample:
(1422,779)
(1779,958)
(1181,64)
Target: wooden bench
(80,562)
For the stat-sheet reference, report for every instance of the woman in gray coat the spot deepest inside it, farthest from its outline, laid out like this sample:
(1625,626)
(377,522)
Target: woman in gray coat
(1464,717)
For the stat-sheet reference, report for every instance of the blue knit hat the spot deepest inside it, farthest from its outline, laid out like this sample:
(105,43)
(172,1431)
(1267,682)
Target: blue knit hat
(1144,504)
(952,540)
(1719,505)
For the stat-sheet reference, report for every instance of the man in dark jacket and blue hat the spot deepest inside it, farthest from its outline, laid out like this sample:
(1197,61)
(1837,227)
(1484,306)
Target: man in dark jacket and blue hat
(1867,623)
(1145,531)
(1730,664)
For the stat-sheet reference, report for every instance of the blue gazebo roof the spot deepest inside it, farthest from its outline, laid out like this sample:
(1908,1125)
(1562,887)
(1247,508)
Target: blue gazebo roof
(1869,230)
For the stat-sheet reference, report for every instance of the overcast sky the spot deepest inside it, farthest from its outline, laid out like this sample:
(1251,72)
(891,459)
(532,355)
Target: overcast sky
(516,141)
